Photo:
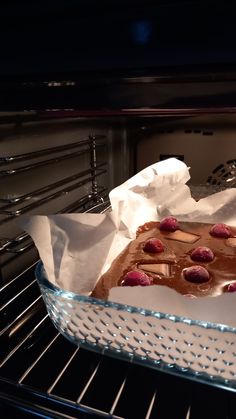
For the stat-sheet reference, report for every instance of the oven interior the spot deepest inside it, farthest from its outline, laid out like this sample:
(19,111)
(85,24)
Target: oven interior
(52,164)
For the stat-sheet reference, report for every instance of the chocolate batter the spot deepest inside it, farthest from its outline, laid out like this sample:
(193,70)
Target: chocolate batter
(166,267)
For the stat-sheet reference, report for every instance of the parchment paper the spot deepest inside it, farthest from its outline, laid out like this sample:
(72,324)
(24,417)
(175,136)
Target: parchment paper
(77,248)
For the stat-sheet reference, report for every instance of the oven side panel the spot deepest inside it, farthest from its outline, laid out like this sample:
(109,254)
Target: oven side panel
(207,144)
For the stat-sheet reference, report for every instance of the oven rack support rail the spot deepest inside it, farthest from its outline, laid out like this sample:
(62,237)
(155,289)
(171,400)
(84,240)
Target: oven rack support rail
(12,206)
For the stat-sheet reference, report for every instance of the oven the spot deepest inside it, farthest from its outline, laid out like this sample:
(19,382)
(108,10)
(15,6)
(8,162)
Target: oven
(69,133)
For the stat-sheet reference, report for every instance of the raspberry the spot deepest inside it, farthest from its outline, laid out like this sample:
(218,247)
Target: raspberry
(231,287)
(196,274)
(202,254)
(221,231)
(133,278)
(153,245)
(169,224)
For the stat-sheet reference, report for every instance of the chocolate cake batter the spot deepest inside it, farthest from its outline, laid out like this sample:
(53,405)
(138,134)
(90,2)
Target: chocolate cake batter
(168,266)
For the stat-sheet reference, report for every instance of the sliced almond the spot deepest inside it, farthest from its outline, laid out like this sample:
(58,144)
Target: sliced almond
(183,236)
(231,242)
(156,268)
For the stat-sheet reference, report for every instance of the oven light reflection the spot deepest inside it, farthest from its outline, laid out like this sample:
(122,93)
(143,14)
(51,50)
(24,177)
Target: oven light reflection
(141,31)
(61,83)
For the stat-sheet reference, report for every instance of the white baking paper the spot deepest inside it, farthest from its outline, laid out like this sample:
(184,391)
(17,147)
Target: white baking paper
(77,248)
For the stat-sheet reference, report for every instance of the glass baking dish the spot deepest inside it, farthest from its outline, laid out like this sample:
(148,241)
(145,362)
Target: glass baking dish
(198,350)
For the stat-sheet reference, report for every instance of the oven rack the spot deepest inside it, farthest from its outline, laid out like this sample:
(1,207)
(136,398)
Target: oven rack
(47,151)
(13,201)
(11,245)
(6,160)
(88,146)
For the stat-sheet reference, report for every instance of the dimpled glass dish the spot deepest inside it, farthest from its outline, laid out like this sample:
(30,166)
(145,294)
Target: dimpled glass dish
(198,350)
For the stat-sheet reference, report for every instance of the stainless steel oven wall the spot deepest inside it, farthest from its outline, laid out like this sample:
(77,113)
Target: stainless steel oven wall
(206,144)
(60,165)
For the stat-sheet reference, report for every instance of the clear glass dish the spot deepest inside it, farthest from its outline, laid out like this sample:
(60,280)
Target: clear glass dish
(198,350)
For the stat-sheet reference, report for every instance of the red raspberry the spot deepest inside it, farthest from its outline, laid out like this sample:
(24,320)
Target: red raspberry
(133,278)
(196,274)
(231,287)
(202,254)
(169,224)
(153,245)
(221,231)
